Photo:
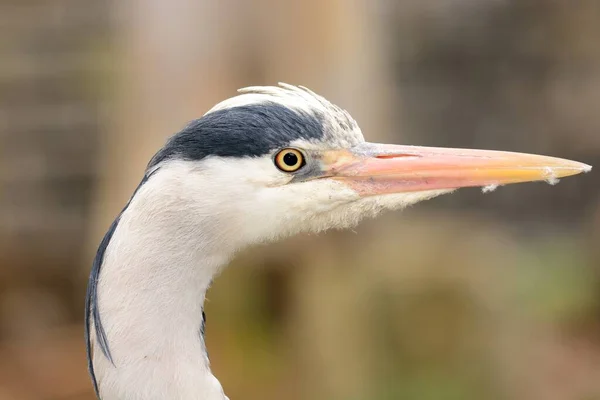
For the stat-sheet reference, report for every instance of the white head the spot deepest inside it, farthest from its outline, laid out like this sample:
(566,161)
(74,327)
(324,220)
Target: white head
(266,164)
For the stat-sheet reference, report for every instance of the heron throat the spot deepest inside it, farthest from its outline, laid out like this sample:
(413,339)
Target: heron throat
(146,298)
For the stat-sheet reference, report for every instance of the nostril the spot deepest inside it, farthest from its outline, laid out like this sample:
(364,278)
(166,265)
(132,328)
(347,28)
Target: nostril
(388,156)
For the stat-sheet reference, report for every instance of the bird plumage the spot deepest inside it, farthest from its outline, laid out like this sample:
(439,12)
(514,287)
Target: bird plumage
(245,128)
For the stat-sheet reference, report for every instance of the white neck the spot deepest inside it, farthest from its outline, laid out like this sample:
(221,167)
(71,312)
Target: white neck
(156,271)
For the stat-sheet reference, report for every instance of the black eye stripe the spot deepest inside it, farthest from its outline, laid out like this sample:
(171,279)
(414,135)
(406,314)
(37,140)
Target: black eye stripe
(249,130)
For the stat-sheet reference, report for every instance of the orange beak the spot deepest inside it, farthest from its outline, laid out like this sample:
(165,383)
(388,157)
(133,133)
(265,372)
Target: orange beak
(373,169)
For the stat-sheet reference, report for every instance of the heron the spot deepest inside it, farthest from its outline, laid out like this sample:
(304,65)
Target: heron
(265,164)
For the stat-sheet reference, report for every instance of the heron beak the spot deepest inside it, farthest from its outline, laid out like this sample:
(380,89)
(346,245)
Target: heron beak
(374,169)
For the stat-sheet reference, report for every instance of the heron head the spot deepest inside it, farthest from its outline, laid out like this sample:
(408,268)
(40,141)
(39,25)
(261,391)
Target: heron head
(276,161)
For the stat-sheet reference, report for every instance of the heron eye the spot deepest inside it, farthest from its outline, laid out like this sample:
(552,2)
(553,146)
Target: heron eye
(289,160)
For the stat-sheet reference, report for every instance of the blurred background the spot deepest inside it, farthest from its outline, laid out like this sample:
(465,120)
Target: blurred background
(468,296)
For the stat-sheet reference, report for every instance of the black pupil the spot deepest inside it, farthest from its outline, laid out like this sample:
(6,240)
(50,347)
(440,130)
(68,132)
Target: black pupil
(290,159)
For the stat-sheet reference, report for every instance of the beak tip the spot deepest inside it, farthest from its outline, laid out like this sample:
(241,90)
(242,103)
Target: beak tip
(580,168)
(574,168)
